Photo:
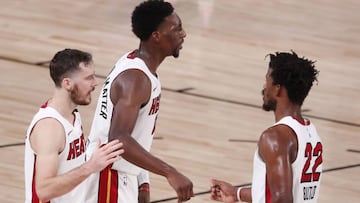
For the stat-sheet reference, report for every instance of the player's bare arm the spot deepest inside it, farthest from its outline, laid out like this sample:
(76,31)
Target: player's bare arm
(47,140)
(130,90)
(276,148)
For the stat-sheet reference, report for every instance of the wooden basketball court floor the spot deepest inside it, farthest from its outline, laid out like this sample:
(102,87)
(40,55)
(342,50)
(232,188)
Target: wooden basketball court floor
(210,114)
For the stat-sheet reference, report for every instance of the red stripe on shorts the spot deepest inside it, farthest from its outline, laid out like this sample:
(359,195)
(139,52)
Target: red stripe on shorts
(108,186)
(114,187)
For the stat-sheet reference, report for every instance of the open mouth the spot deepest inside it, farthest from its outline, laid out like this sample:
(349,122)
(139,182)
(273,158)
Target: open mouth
(181,44)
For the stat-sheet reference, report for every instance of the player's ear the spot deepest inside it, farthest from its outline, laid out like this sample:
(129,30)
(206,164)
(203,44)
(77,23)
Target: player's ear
(156,36)
(278,89)
(67,83)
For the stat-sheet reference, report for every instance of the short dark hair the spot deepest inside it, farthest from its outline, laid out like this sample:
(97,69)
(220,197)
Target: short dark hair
(147,17)
(294,73)
(65,62)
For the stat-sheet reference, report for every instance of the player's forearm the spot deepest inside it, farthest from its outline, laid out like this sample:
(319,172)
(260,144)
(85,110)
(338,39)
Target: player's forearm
(137,155)
(50,188)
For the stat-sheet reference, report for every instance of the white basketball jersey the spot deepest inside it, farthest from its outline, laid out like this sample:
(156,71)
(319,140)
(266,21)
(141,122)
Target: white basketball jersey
(145,123)
(71,157)
(306,168)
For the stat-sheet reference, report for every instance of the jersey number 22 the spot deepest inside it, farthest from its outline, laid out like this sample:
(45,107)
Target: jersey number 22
(311,152)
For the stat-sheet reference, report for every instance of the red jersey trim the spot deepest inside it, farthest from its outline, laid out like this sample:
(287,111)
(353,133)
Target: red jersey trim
(131,55)
(267,191)
(35,198)
(44,105)
(302,122)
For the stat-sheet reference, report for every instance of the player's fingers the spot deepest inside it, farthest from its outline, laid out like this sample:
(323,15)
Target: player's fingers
(216,193)
(214,197)
(113,143)
(112,146)
(113,159)
(116,153)
(116,146)
(221,185)
(215,182)
(184,194)
(191,192)
(179,196)
(214,189)
(222,195)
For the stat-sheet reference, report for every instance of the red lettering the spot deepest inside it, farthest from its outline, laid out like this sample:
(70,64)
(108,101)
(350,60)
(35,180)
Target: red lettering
(153,130)
(82,144)
(76,148)
(314,175)
(155,105)
(71,154)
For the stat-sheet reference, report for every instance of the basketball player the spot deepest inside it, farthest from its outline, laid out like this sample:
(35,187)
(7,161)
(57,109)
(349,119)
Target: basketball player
(288,161)
(128,106)
(55,164)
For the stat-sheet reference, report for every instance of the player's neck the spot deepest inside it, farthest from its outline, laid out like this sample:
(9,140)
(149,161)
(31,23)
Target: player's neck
(151,57)
(63,104)
(288,110)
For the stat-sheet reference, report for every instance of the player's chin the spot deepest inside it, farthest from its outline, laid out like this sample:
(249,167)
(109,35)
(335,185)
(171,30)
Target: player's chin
(176,53)
(86,101)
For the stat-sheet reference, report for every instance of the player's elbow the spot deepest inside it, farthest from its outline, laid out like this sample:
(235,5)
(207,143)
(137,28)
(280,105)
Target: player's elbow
(43,194)
(126,139)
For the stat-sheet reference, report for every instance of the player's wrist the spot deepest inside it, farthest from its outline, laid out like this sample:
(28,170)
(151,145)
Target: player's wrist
(168,171)
(238,194)
(87,169)
(144,187)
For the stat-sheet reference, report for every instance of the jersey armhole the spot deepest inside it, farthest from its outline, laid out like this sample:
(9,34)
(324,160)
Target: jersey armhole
(292,132)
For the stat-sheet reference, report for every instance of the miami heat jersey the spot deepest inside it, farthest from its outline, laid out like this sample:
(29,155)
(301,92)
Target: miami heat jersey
(306,168)
(145,123)
(71,157)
